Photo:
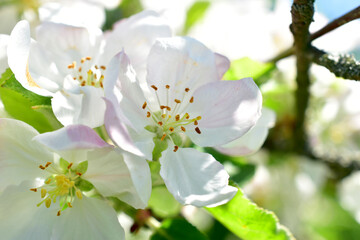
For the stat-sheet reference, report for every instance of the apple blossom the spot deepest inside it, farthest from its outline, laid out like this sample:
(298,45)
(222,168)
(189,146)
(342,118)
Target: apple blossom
(45,181)
(183,98)
(68,62)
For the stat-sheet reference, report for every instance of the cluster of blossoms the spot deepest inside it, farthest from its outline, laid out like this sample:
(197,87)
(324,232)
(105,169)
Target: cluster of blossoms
(152,92)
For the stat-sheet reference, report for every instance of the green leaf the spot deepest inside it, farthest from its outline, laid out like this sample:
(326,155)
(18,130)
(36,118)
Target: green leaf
(163,204)
(177,229)
(195,13)
(248,221)
(246,67)
(27,106)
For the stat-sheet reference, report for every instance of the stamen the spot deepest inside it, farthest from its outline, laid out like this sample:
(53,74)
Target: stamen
(33,189)
(198,118)
(144,105)
(183,129)
(48,202)
(167,86)
(171,129)
(197,129)
(58,213)
(81,77)
(78,194)
(48,181)
(103,67)
(74,78)
(191,100)
(42,167)
(71,66)
(69,166)
(88,58)
(96,67)
(82,60)
(187,116)
(163,115)
(177,100)
(43,192)
(69,204)
(47,164)
(160,123)
(79,174)
(176,148)
(80,69)
(163,107)
(196,122)
(187,89)
(148,114)
(163,137)
(154,87)
(83,83)
(168,108)
(177,117)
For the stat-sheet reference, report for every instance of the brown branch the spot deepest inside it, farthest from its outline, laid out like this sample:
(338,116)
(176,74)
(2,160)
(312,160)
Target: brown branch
(346,18)
(302,12)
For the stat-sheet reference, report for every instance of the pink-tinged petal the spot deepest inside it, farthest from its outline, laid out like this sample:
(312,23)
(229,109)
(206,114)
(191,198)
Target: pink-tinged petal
(222,64)
(136,35)
(88,219)
(18,55)
(118,132)
(228,109)
(4,39)
(253,139)
(195,178)
(19,155)
(20,217)
(122,89)
(180,62)
(71,137)
(121,174)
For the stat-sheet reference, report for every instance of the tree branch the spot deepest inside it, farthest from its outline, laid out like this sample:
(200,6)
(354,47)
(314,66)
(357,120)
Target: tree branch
(346,18)
(302,12)
(344,66)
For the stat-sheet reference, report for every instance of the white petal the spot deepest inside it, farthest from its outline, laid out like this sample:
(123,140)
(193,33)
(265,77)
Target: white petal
(228,109)
(136,35)
(18,55)
(195,178)
(19,155)
(180,62)
(84,106)
(20,217)
(88,219)
(4,39)
(253,139)
(120,174)
(222,64)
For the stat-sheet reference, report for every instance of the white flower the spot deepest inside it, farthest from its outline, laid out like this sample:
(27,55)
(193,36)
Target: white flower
(184,98)
(253,139)
(69,62)
(43,179)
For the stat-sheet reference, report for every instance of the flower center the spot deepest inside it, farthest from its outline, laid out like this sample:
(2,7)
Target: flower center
(87,74)
(59,187)
(172,118)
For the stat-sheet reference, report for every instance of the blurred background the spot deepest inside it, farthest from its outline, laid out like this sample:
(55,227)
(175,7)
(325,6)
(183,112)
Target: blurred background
(316,196)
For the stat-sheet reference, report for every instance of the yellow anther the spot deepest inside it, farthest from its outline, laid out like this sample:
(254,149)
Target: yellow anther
(171,129)
(144,105)
(196,123)
(187,116)
(95,76)
(103,67)
(42,167)
(167,86)
(88,58)
(48,202)
(177,117)
(82,60)
(78,194)
(79,174)
(154,87)
(177,100)
(148,114)
(83,83)
(47,164)
(58,213)
(48,181)
(33,189)
(163,107)
(187,89)
(69,204)
(43,192)
(163,116)
(191,100)
(96,67)
(160,123)
(73,65)
(80,68)
(74,78)
(163,137)
(81,77)
(183,129)
(198,118)
(168,108)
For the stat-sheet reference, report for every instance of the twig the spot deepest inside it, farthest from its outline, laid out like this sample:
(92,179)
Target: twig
(346,18)
(302,12)
(344,66)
